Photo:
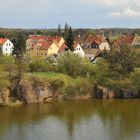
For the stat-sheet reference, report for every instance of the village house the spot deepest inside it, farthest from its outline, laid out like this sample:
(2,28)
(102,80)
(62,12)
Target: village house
(43,49)
(78,49)
(94,45)
(124,40)
(130,40)
(43,45)
(6,46)
(62,49)
(136,41)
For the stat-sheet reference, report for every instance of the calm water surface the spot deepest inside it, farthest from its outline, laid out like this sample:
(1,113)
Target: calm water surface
(82,120)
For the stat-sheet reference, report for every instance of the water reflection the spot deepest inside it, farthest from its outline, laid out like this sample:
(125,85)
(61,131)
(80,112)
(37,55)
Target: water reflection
(93,119)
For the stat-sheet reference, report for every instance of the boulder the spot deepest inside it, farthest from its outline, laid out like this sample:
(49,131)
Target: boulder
(1,101)
(34,93)
(111,94)
(5,95)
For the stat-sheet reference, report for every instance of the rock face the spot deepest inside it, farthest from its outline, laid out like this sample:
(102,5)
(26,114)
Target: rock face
(31,92)
(122,93)
(4,95)
(102,92)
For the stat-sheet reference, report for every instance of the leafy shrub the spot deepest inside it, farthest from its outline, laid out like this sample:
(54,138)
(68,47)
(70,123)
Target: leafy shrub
(74,65)
(38,67)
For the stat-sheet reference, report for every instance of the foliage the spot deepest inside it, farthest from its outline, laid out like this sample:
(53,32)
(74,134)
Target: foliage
(19,45)
(59,30)
(37,67)
(122,61)
(4,82)
(62,84)
(66,29)
(41,65)
(70,39)
(135,79)
(4,59)
(74,65)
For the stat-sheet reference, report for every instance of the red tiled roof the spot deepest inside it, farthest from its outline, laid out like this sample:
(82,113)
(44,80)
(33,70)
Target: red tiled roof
(37,37)
(3,40)
(97,39)
(62,48)
(53,38)
(127,39)
(44,45)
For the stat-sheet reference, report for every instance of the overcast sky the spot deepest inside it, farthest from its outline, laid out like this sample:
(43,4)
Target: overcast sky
(77,13)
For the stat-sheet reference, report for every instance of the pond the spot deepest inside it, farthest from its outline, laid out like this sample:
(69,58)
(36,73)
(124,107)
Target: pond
(72,120)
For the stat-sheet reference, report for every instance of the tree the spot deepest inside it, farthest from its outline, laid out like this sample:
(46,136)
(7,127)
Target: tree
(123,61)
(66,29)
(59,30)
(70,40)
(19,45)
(18,52)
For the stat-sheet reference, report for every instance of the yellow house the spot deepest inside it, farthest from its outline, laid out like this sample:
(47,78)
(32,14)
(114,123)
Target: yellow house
(43,45)
(43,49)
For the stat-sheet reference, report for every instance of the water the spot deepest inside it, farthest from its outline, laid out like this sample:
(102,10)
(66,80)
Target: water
(79,120)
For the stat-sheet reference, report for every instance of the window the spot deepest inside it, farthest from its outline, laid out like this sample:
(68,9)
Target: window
(6,49)
(37,53)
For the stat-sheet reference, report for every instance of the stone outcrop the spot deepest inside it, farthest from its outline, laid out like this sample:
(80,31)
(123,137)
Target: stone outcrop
(32,92)
(4,95)
(102,92)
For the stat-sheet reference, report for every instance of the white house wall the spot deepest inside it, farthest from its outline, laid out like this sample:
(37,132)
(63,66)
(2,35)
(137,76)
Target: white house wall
(104,46)
(7,48)
(79,50)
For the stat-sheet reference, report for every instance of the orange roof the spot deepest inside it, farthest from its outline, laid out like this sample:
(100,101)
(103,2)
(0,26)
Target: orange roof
(37,37)
(62,48)
(3,40)
(44,45)
(95,39)
(55,39)
(127,39)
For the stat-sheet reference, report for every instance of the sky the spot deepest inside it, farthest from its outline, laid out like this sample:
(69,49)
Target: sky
(77,13)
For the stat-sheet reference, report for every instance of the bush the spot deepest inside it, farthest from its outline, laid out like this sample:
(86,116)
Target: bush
(37,67)
(135,79)
(74,65)
(6,59)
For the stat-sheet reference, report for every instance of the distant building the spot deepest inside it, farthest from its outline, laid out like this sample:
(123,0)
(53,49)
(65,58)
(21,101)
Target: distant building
(62,49)
(78,49)
(136,41)
(94,45)
(124,40)
(6,46)
(37,45)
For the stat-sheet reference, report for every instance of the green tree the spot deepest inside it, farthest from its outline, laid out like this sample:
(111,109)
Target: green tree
(74,65)
(66,28)
(18,52)
(122,61)
(59,30)
(70,40)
